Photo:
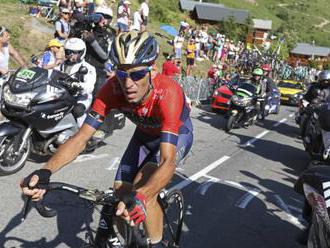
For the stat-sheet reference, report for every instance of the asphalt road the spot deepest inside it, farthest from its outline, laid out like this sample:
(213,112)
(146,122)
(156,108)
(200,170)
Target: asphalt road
(237,188)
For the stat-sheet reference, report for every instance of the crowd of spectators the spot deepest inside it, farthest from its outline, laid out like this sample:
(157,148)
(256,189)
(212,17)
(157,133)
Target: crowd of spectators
(198,44)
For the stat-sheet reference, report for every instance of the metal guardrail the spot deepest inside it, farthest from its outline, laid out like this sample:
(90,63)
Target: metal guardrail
(197,89)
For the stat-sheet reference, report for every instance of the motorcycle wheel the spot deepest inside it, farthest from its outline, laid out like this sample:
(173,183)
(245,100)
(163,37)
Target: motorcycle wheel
(230,123)
(11,160)
(318,236)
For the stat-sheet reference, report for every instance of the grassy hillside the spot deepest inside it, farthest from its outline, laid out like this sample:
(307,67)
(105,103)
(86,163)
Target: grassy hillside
(303,19)
(309,20)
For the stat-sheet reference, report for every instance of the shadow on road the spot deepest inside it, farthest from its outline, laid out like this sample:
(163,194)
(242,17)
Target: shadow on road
(213,219)
(73,216)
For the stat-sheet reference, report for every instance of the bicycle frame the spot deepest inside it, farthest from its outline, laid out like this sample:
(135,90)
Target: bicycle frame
(109,201)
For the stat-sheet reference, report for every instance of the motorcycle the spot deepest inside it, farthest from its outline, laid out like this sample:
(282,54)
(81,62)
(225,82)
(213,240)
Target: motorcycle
(38,104)
(272,103)
(312,132)
(243,108)
(314,185)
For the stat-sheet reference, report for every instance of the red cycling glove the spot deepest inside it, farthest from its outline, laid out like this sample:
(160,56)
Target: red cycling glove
(136,207)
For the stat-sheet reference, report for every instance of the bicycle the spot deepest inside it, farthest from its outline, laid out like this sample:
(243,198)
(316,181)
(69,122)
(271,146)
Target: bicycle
(171,203)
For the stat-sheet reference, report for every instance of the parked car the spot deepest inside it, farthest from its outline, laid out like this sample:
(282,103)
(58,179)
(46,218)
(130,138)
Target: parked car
(291,91)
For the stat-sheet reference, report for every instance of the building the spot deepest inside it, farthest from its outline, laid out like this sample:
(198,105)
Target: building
(212,12)
(209,13)
(260,32)
(303,52)
(189,5)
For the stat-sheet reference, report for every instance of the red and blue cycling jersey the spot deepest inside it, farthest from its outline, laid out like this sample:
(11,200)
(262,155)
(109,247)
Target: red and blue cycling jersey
(163,114)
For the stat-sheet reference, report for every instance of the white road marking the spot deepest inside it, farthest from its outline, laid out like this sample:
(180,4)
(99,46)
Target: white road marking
(280,122)
(87,157)
(259,136)
(204,187)
(247,197)
(298,210)
(199,174)
(292,219)
(114,163)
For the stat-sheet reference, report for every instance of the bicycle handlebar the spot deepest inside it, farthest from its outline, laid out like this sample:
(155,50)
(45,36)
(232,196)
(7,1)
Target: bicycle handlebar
(93,196)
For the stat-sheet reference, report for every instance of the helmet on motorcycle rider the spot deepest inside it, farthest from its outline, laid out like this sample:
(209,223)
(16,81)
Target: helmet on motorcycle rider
(105,12)
(324,78)
(134,49)
(266,67)
(75,46)
(257,72)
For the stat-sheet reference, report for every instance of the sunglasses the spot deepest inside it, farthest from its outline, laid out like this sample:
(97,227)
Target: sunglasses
(134,75)
(71,52)
(65,13)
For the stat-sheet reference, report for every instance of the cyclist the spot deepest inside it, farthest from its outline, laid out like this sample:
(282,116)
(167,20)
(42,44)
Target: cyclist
(156,104)
(75,51)
(6,50)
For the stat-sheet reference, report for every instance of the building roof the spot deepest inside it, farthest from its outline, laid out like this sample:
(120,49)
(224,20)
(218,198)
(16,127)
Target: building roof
(262,24)
(220,13)
(190,5)
(309,49)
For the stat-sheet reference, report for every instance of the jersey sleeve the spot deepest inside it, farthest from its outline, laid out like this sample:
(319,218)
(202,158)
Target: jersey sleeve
(100,107)
(171,110)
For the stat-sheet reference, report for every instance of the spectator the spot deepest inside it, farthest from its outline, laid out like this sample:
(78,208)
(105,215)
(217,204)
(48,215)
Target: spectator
(197,42)
(62,26)
(80,5)
(184,26)
(144,10)
(137,21)
(178,43)
(123,16)
(191,51)
(49,59)
(6,50)
(65,4)
(169,67)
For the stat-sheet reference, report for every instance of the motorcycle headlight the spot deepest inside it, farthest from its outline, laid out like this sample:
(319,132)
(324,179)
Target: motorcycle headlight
(235,100)
(216,93)
(19,100)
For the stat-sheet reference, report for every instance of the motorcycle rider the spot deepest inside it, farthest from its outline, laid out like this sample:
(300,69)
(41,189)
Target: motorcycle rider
(257,80)
(75,51)
(319,93)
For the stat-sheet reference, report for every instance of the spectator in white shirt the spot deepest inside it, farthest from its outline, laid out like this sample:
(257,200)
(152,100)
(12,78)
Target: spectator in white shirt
(124,13)
(137,21)
(144,9)
(178,44)
(184,26)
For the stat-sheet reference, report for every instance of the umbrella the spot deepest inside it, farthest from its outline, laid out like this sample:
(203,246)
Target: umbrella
(169,29)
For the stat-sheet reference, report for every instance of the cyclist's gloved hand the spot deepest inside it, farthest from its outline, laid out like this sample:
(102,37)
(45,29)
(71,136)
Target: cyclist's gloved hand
(136,206)
(41,182)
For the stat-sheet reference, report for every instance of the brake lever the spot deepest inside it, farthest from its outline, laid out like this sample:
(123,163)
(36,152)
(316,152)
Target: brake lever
(26,207)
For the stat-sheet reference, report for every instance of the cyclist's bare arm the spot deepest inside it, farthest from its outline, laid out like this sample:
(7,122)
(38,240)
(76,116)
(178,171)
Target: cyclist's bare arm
(163,174)
(17,57)
(65,154)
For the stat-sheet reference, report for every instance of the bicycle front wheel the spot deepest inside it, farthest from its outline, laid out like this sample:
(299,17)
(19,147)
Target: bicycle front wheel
(173,207)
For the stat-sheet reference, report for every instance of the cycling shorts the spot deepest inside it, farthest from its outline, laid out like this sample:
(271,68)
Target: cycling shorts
(143,149)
